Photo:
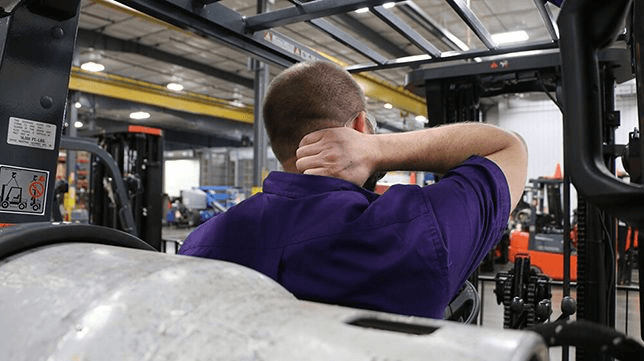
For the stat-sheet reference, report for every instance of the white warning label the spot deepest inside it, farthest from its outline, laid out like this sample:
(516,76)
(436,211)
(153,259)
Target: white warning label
(23,190)
(29,133)
(290,46)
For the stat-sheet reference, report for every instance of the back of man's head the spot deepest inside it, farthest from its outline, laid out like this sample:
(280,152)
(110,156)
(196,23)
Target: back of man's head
(307,97)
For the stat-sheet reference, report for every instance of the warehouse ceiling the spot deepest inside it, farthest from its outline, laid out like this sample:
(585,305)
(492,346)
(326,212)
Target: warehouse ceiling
(141,55)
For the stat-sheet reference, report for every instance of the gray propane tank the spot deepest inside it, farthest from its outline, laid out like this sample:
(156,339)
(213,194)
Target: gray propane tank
(91,302)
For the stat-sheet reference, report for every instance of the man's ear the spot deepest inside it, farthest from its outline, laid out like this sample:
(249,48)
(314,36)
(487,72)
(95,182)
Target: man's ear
(360,122)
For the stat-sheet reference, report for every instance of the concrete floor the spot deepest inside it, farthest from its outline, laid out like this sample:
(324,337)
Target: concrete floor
(492,314)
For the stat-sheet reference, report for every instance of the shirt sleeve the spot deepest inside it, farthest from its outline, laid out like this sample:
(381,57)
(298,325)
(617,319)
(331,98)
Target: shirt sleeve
(471,204)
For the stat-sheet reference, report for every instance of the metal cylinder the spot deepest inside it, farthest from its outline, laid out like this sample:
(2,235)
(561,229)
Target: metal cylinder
(78,301)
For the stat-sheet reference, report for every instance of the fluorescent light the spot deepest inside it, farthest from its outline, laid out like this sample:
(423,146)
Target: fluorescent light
(78,124)
(388,5)
(78,105)
(175,87)
(92,66)
(362,10)
(388,106)
(420,118)
(139,115)
(236,103)
(413,58)
(120,5)
(510,37)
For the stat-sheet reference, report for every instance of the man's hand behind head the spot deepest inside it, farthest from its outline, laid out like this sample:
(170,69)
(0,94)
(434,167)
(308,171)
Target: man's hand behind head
(337,152)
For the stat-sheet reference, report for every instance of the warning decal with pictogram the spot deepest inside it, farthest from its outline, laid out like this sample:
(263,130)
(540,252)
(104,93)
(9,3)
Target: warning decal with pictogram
(23,190)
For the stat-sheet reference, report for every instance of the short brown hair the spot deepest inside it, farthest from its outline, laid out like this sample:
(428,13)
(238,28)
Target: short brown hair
(307,97)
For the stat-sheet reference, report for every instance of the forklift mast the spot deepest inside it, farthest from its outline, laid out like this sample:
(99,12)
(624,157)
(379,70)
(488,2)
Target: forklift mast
(36,48)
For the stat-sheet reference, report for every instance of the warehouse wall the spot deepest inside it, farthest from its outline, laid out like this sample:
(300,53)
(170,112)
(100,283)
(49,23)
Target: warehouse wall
(180,174)
(539,122)
(212,167)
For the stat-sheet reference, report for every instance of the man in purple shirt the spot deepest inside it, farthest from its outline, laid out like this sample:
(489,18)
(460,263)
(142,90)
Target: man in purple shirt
(317,231)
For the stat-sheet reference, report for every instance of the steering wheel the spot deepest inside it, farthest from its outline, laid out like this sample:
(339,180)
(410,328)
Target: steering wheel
(465,306)
(23,237)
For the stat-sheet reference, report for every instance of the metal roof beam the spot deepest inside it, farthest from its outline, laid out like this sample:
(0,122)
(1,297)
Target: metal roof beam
(371,35)
(92,39)
(307,11)
(348,40)
(216,22)
(414,11)
(405,30)
(107,110)
(269,46)
(547,19)
(151,94)
(471,54)
(466,14)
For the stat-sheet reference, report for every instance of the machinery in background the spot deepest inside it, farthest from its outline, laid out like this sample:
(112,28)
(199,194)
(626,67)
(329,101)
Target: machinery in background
(627,235)
(541,233)
(627,253)
(138,152)
(65,193)
(196,206)
(525,295)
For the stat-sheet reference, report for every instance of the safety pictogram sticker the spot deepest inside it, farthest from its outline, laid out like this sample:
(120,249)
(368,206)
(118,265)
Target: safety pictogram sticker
(23,190)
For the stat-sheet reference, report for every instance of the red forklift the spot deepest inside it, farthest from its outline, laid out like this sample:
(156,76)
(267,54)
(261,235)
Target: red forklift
(538,230)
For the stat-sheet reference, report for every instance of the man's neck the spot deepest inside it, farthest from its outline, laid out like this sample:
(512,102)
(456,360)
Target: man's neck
(289,165)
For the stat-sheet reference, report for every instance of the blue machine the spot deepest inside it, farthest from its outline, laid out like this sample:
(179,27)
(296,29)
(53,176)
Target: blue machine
(218,200)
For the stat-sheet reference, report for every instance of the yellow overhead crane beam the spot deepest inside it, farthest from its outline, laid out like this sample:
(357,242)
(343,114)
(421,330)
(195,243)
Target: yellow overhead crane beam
(118,87)
(373,87)
(394,95)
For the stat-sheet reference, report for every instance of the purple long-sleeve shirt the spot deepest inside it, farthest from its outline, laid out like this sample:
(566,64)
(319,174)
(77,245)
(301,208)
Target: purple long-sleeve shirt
(324,239)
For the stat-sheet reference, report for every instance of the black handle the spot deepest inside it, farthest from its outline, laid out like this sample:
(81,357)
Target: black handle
(586,26)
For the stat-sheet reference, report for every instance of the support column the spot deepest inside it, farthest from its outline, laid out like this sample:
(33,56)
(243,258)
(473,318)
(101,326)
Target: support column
(260,142)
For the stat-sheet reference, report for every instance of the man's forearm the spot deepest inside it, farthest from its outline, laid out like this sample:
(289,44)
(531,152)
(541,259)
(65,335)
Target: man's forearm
(439,149)
(443,148)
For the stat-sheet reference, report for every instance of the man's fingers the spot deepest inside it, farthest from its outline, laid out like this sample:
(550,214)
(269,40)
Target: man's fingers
(317,171)
(307,151)
(305,163)
(312,138)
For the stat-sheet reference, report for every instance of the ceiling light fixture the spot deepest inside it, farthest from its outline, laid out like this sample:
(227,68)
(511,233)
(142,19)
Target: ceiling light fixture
(237,103)
(510,37)
(413,58)
(175,87)
(362,11)
(420,118)
(388,5)
(78,124)
(78,105)
(92,66)
(139,115)
(388,106)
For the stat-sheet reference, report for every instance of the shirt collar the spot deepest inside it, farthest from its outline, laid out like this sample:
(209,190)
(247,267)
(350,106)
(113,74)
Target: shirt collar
(299,185)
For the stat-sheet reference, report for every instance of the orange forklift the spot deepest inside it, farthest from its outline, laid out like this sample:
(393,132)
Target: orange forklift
(538,230)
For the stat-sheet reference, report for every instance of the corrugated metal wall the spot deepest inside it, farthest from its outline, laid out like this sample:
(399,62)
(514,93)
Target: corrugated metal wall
(215,167)
(539,122)
(230,167)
